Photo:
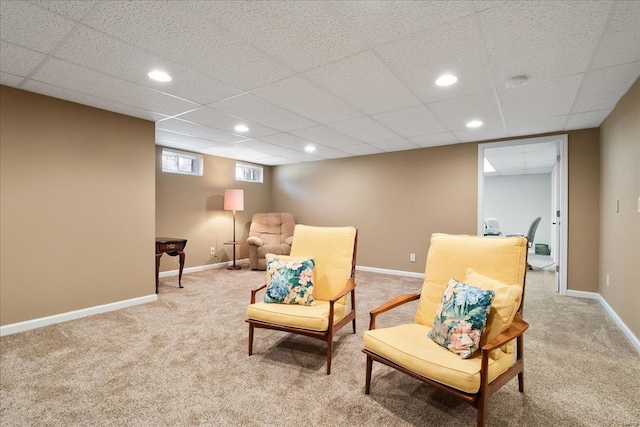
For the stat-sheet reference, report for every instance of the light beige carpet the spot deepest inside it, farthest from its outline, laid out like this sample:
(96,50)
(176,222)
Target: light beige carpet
(182,361)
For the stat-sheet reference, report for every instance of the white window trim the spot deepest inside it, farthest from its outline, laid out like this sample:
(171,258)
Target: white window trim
(259,172)
(198,161)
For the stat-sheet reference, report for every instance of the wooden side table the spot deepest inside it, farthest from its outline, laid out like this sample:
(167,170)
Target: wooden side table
(173,247)
(234,266)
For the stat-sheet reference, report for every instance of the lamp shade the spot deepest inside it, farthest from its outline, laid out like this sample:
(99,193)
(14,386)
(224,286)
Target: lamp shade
(233,200)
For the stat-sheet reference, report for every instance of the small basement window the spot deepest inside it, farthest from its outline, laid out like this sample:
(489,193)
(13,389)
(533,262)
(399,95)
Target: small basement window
(176,161)
(249,173)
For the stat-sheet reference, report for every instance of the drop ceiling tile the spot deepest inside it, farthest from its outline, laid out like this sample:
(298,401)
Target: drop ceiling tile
(365,82)
(98,51)
(452,49)
(304,157)
(257,110)
(237,152)
(276,161)
(621,42)
(92,101)
(595,96)
(535,158)
(382,22)
(361,150)
(444,138)
(456,113)
(307,99)
(395,145)
(30,26)
(326,136)
(215,119)
(178,139)
(178,33)
(75,10)
(521,37)
(539,170)
(286,140)
(531,127)
(539,100)
(302,35)
(480,134)
(263,147)
(73,77)
(408,122)
(331,153)
(364,129)
(193,129)
(9,79)
(592,119)
(17,60)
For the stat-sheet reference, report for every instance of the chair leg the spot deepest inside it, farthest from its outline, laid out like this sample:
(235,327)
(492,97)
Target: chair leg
(521,382)
(354,325)
(367,382)
(329,348)
(250,339)
(482,411)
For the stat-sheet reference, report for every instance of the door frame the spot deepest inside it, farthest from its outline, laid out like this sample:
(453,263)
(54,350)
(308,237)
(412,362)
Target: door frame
(562,188)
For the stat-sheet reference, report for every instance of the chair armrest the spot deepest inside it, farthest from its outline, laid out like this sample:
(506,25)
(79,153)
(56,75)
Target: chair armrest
(255,291)
(516,329)
(255,241)
(351,285)
(289,240)
(391,304)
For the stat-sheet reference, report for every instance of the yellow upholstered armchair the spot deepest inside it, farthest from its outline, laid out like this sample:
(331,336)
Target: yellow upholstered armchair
(333,254)
(489,263)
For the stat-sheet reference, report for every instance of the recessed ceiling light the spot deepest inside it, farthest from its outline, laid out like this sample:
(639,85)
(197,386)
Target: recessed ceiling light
(474,124)
(159,76)
(309,148)
(241,128)
(446,80)
(488,167)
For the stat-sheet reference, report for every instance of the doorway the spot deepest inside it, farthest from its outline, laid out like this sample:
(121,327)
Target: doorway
(530,177)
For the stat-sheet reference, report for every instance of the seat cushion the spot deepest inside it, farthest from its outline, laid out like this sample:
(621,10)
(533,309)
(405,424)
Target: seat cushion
(501,258)
(504,306)
(408,346)
(332,248)
(315,317)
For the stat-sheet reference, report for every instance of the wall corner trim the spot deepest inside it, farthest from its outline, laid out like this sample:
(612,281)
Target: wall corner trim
(15,328)
(202,267)
(635,342)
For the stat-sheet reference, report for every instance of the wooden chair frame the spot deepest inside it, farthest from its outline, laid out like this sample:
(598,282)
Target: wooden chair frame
(326,335)
(480,399)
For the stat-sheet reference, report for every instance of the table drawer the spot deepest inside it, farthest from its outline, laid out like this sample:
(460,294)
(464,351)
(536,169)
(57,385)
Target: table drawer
(170,247)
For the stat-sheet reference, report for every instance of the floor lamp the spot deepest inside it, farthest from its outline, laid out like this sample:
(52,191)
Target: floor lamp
(234,201)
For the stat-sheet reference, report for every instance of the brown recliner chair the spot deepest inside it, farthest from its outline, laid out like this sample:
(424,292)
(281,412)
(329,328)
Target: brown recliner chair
(270,233)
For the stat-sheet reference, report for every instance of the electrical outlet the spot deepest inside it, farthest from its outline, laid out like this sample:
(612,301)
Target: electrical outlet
(607,280)
(412,257)
(213,250)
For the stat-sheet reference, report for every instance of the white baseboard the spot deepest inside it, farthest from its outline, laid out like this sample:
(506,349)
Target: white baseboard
(14,328)
(202,268)
(583,294)
(391,272)
(625,329)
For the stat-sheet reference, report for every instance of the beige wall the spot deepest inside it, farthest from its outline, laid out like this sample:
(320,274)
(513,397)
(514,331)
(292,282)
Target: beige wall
(397,200)
(620,231)
(77,206)
(191,207)
(584,215)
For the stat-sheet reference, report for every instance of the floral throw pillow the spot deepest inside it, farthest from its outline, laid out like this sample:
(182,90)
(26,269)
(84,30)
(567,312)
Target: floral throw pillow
(461,318)
(290,281)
